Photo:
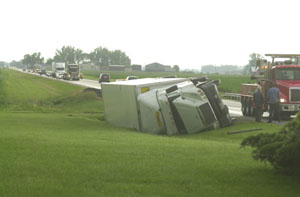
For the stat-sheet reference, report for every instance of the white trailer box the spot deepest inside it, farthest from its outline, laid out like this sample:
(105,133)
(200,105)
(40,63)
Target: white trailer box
(121,106)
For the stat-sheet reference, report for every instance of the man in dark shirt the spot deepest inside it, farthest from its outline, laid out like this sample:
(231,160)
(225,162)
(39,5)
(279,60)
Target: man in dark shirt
(274,98)
(258,99)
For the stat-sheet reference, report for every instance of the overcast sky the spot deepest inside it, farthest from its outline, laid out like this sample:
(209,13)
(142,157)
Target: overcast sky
(189,33)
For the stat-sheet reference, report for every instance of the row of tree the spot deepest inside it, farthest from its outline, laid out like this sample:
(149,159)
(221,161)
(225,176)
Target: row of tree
(103,57)
(70,55)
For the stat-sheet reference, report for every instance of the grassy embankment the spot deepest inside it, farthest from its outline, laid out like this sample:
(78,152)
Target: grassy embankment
(25,92)
(73,152)
(229,83)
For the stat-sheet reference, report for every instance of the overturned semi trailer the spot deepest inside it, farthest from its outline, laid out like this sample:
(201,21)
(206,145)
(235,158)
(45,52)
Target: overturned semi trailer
(165,105)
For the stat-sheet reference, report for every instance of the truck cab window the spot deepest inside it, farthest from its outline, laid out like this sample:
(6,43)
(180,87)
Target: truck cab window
(73,69)
(285,74)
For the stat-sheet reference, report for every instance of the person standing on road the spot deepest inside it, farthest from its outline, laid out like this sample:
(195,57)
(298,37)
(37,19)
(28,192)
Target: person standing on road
(273,99)
(258,99)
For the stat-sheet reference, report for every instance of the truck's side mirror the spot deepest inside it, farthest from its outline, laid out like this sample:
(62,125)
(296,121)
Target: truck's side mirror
(201,79)
(171,89)
(217,81)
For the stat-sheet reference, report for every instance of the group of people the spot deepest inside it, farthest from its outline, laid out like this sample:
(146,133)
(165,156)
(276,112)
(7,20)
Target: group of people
(273,98)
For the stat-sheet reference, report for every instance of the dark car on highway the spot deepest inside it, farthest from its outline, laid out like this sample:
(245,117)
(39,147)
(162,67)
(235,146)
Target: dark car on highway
(104,78)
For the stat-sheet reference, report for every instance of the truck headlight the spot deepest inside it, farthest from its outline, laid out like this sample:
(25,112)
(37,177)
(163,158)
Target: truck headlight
(282,100)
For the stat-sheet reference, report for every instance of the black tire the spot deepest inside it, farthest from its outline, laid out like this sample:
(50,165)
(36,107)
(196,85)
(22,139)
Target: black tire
(249,108)
(244,110)
(285,116)
(252,109)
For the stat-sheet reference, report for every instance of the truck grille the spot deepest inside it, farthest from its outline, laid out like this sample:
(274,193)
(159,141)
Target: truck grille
(208,115)
(295,94)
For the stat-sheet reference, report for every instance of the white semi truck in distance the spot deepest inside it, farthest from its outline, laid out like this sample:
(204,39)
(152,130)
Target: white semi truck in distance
(165,105)
(58,70)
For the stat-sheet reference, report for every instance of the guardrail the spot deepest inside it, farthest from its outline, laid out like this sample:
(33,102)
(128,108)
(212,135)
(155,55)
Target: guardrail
(232,96)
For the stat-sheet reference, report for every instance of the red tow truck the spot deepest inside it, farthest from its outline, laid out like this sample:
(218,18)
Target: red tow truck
(286,77)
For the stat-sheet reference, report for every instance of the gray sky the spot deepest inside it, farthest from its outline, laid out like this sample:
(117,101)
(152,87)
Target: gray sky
(188,33)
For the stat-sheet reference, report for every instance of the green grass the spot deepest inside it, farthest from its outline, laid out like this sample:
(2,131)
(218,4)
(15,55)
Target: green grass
(2,93)
(25,87)
(67,155)
(26,92)
(72,151)
(229,83)
(232,83)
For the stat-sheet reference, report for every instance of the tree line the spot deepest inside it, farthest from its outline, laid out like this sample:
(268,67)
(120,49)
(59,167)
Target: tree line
(70,55)
(103,57)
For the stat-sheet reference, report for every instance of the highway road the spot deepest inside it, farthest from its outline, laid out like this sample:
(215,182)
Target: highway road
(86,83)
(234,107)
(83,82)
(235,111)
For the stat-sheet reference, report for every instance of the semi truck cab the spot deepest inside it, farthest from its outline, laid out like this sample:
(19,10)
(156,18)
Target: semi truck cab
(72,72)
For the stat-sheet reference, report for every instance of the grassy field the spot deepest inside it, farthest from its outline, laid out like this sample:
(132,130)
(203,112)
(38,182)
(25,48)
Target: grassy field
(25,92)
(229,83)
(67,149)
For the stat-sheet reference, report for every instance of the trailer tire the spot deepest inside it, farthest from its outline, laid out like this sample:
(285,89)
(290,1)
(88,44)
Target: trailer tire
(252,110)
(249,108)
(285,116)
(244,110)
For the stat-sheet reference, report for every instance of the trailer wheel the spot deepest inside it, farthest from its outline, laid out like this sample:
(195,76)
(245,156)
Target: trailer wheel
(247,107)
(254,111)
(250,108)
(244,110)
(285,116)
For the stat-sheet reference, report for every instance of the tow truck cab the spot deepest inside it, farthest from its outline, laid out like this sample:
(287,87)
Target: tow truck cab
(285,75)
(287,80)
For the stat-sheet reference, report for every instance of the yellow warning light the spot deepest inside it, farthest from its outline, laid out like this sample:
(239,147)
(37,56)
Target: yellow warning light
(145,89)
